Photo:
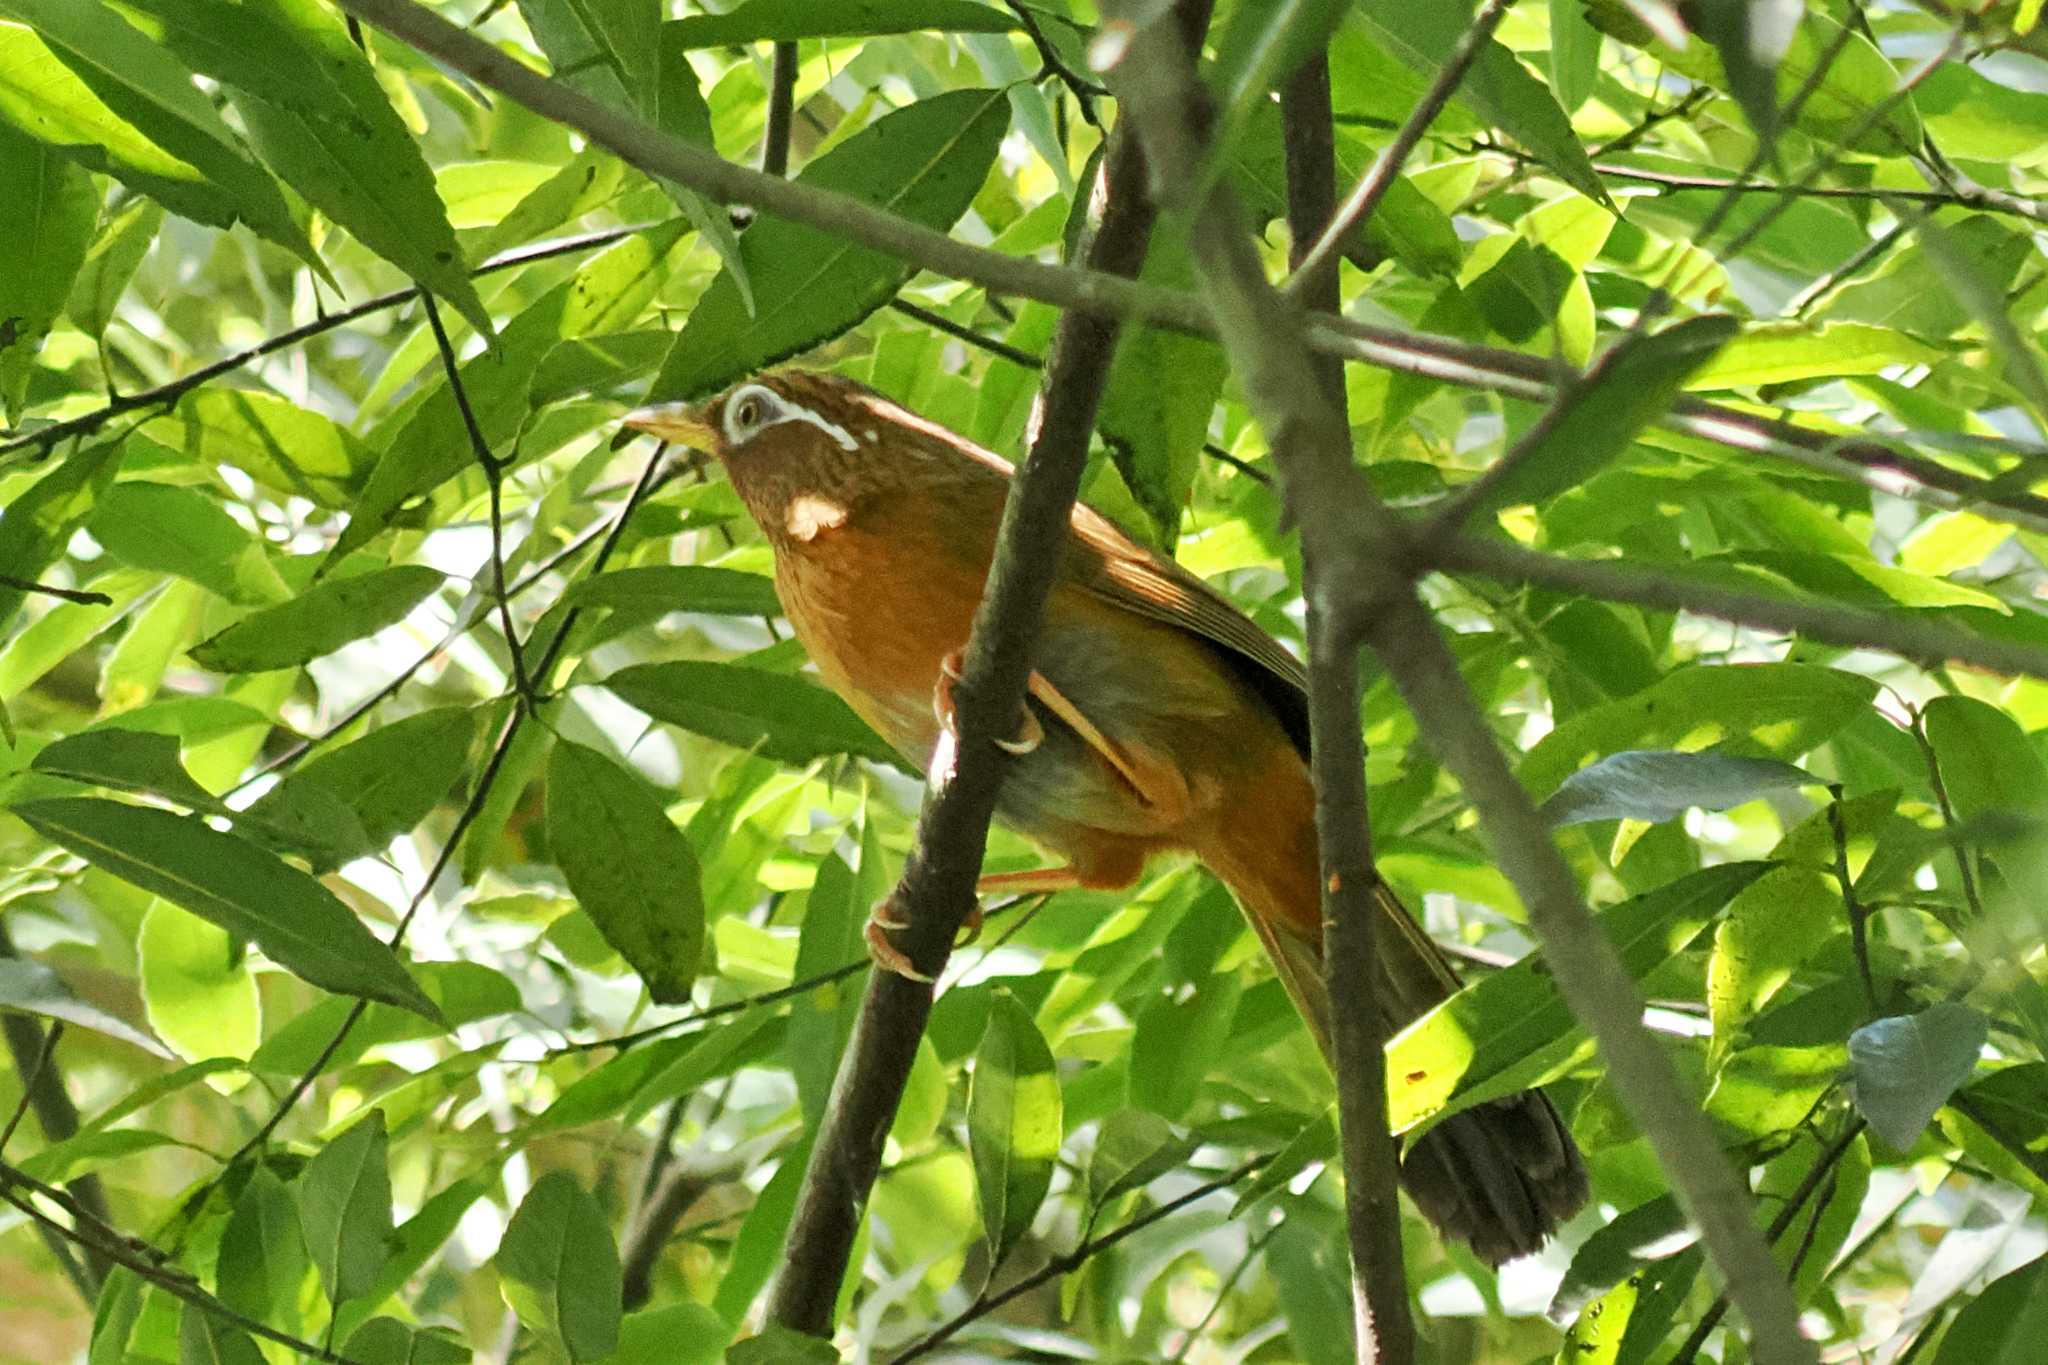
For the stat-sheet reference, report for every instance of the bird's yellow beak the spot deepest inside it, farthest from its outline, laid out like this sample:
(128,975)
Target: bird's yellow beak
(680,423)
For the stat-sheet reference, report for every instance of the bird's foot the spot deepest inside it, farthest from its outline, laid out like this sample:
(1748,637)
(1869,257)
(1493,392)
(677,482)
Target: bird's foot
(885,954)
(1030,734)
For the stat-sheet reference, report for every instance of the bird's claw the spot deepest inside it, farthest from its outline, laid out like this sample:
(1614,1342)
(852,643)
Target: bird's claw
(885,920)
(1030,734)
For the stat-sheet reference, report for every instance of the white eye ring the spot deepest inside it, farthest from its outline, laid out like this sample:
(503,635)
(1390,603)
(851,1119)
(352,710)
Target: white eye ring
(748,410)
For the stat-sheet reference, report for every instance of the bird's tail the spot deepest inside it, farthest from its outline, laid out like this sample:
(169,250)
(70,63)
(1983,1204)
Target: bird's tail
(1499,1176)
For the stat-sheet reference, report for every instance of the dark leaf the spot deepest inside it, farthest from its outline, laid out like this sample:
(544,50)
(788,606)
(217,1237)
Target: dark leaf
(1662,784)
(628,866)
(559,1268)
(786,718)
(925,162)
(345,1209)
(1013,1124)
(1905,1067)
(293,918)
(318,621)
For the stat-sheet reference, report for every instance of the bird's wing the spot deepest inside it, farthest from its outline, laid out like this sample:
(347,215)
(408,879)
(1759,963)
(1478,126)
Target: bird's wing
(1111,566)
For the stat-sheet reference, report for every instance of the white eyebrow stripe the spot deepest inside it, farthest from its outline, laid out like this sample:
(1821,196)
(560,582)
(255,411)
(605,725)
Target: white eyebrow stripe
(796,412)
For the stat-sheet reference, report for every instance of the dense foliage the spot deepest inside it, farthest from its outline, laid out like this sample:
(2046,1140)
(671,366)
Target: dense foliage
(447,883)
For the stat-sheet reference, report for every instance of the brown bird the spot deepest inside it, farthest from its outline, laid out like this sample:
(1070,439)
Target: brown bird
(1159,718)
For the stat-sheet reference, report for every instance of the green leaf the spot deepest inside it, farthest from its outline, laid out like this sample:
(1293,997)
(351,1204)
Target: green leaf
(110,264)
(118,102)
(319,621)
(33,988)
(387,781)
(1497,87)
(630,869)
(1905,1067)
(685,1333)
(1780,352)
(1013,1124)
(1180,1038)
(1479,1044)
(197,986)
(2005,1324)
(125,760)
(345,1209)
(780,1345)
(659,588)
(40,519)
(1648,1232)
(47,218)
(759,21)
(1629,387)
(1973,116)
(786,718)
(181,531)
(1853,87)
(387,1341)
(1784,708)
(1751,37)
(820,1021)
(924,162)
(1987,762)
(295,920)
(288,449)
(1771,928)
(314,109)
(1574,54)
(431,445)
(559,1268)
(204,1339)
(1662,784)
(1764,1090)
(1132,1149)
(262,1251)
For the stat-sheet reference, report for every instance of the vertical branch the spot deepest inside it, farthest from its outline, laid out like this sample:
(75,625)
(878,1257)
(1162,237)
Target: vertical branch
(1372,1201)
(781,111)
(937,887)
(1266,338)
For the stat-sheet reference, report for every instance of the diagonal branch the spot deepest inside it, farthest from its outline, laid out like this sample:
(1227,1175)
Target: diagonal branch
(1263,336)
(937,888)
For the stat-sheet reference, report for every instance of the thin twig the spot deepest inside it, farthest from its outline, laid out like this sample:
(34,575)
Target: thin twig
(154,1266)
(1085,91)
(1909,636)
(494,479)
(31,1077)
(1074,1260)
(163,395)
(78,595)
(470,811)
(1859,914)
(1372,187)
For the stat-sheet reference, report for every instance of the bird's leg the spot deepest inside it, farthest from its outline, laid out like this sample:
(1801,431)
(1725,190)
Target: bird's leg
(1037,881)
(1029,734)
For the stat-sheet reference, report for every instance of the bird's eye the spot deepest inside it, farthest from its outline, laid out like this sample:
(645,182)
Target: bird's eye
(747,411)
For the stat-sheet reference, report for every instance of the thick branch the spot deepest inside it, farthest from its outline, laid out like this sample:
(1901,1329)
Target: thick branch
(1263,336)
(1372,1198)
(937,888)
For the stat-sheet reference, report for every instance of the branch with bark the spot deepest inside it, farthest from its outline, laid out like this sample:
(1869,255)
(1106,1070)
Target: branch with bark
(936,890)
(1264,336)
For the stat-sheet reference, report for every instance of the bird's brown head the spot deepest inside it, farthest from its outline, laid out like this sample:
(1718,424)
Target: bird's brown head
(798,444)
